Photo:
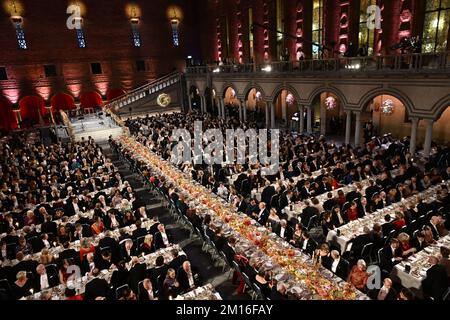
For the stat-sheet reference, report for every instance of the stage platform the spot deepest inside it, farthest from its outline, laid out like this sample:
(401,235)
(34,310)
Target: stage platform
(98,126)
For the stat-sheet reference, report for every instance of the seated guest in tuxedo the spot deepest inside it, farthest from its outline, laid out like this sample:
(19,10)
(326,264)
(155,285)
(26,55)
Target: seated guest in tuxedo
(339,266)
(44,279)
(418,242)
(330,202)
(252,208)
(146,291)
(177,260)
(445,260)
(327,222)
(229,249)
(284,231)
(308,213)
(104,262)
(128,250)
(279,292)
(96,287)
(163,239)
(387,292)
(436,282)
(171,286)
(358,275)
(360,241)
(48,225)
(141,213)
(434,226)
(138,272)
(262,215)
(338,217)
(307,245)
(387,226)
(187,277)
(390,255)
(139,232)
(158,273)
(120,276)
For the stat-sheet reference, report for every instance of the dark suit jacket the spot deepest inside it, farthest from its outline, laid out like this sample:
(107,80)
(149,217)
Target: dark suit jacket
(287,233)
(137,274)
(310,246)
(177,262)
(183,279)
(159,243)
(229,252)
(342,269)
(141,232)
(386,257)
(436,282)
(267,194)
(52,277)
(47,227)
(262,219)
(96,288)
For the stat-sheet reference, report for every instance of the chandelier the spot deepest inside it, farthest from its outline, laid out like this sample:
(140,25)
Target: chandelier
(330,103)
(387,107)
(290,99)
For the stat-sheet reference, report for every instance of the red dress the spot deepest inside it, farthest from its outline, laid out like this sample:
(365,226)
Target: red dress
(399,223)
(352,214)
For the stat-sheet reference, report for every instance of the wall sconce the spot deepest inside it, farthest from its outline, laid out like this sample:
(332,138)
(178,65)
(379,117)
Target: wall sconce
(134,20)
(174,14)
(17,21)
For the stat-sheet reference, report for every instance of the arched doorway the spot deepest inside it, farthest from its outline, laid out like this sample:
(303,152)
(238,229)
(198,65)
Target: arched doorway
(210,101)
(194,95)
(328,115)
(231,102)
(286,105)
(385,114)
(256,106)
(441,128)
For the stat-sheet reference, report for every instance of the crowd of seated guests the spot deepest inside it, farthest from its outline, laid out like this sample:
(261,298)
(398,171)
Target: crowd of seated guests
(410,231)
(54,195)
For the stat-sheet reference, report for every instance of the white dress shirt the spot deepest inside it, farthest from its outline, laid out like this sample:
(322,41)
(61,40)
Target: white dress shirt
(335,264)
(165,239)
(44,281)
(282,231)
(305,243)
(190,279)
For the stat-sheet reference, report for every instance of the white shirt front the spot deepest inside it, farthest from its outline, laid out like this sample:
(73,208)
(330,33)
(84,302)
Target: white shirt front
(190,279)
(76,208)
(305,243)
(165,239)
(282,231)
(44,281)
(335,264)
(46,243)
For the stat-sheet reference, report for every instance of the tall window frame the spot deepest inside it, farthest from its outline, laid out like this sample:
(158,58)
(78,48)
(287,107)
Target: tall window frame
(317,29)
(436,26)
(366,37)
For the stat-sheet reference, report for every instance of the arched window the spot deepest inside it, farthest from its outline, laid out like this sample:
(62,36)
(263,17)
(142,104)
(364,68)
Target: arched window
(435,30)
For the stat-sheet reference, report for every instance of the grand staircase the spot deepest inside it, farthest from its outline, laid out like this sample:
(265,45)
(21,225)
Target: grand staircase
(139,100)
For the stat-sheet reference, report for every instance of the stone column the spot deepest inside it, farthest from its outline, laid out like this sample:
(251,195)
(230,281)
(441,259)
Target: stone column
(357,128)
(241,112)
(428,137)
(189,103)
(309,120)
(412,144)
(245,110)
(301,119)
(272,115)
(267,115)
(348,125)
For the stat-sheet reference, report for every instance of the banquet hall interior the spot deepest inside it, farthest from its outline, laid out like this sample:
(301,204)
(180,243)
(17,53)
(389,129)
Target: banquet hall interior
(344,195)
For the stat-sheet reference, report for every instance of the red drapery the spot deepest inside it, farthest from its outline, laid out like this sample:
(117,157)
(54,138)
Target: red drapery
(62,101)
(114,93)
(91,100)
(8,120)
(32,110)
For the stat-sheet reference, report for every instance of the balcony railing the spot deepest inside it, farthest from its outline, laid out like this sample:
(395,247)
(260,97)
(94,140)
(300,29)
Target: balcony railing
(144,91)
(426,62)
